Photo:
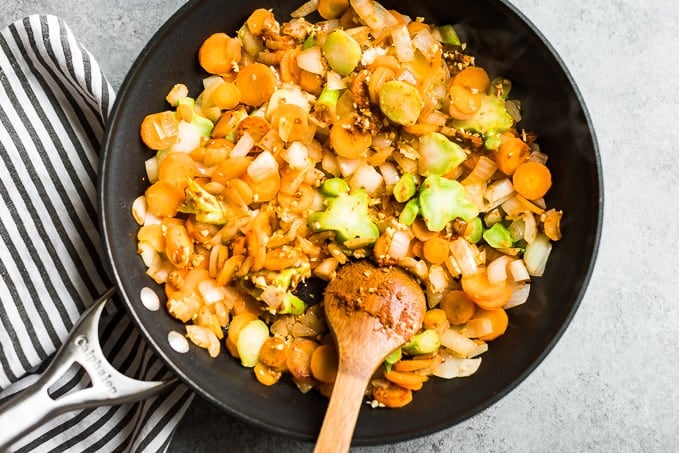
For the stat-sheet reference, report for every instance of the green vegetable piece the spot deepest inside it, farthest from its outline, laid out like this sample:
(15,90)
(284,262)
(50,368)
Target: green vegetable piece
(205,206)
(425,342)
(400,102)
(328,97)
(310,41)
(201,124)
(292,305)
(438,155)
(333,187)
(347,215)
(250,340)
(473,232)
(443,200)
(491,119)
(500,87)
(342,52)
(405,188)
(409,212)
(493,142)
(449,35)
(498,236)
(392,358)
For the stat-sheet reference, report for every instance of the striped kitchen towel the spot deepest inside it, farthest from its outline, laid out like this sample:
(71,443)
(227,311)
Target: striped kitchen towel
(54,102)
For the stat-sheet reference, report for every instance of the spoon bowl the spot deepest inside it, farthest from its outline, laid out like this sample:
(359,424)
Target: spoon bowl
(371,312)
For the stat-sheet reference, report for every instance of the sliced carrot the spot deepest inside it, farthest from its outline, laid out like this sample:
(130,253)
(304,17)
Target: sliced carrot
(291,121)
(324,363)
(177,168)
(485,294)
(464,100)
(219,53)
(274,353)
(310,82)
(458,306)
(392,395)
(406,379)
(281,258)
(230,168)
(159,130)
(299,201)
(435,250)
(163,198)
(532,180)
(421,231)
(266,375)
(235,326)
(473,78)
(225,125)
(512,153)
(256,83)
(498,320)
(265,190)
(298,360)
(435,319)
(289,69)
(226,95)
(260,19)
(413,364)
(332,9)
(347,139)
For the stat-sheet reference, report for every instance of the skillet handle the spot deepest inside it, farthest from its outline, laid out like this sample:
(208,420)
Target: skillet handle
(34,405)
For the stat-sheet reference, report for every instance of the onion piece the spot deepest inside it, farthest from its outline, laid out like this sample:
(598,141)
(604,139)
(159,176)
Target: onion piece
(530,227)
(307,8)
(424,42)
(465,255)
(243,146)
(311,60)
(482,171)
(454,367)
(368,178)
(518,271)
(497,269)
(151,165)
(399,245)
(389,173)
(498,191)
(519,296)
(402,43)
(536,255)
(263,167)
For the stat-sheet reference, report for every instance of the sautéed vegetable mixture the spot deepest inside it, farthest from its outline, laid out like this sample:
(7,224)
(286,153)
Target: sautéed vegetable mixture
(367,134)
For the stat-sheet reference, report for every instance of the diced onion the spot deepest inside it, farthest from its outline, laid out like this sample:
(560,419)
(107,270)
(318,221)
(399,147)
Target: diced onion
(151,166)
(400,243)
(402,43)
(188,138)
(210,291)
(518,271)
(465,256)
(366,177)
(498,191)
(519,296)
(536,255)
(243,146)
(512,206)
(306,9)
(426,44)
(483,170)
(139,209)
(389,173)
(262,167)
(311,60)
(335,81)
(530,227)
(296,155)
(497,269)
(349,166)
(453,367)
(458,343)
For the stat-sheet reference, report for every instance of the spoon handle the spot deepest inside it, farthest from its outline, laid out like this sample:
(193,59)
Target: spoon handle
(342,413)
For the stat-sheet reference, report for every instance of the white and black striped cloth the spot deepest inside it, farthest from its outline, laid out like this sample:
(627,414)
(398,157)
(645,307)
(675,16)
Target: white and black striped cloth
(54,102)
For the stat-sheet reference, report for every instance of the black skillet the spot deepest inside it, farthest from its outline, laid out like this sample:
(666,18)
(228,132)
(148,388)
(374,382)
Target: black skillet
(505,43)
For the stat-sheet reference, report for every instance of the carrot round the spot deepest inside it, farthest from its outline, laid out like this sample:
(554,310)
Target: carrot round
(274,353)
(413,364)
(237,323)
(347,139)
(163,198)
(324,363)
(298,360)
(473,78)
(226,95)
(532,180)
(332,9)
(291,121)
(435,250)
(512,153)
(219,53)
(177,167)
(498,320)
(406,379)
(159,130)
(485,294)
(459,308)
(464,100)
(392,395)
(256,83)
(435,318)
(231,167)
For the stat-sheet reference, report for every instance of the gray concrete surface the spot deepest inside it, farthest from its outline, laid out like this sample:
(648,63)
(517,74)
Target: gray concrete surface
(611,383)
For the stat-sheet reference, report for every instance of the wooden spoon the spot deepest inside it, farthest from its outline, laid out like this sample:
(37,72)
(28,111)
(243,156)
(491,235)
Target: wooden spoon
(371,311)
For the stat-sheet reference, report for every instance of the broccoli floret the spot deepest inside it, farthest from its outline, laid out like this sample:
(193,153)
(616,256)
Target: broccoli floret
(491,119)
(443,200)
(205,206)
(347,215)
(438,155)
